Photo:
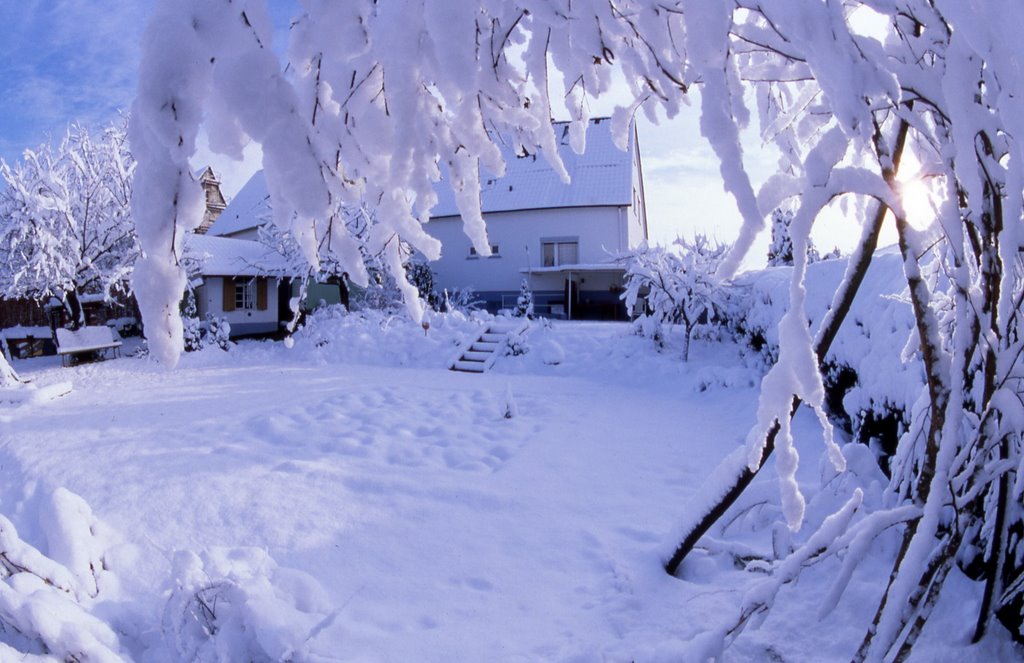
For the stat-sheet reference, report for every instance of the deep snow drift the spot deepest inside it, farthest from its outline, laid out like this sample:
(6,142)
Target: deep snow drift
(350,499)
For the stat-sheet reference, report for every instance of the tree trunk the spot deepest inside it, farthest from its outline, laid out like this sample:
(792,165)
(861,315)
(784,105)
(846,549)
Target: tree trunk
(830,325)
(859,264)
(996,563)
(8,377)
(74,308)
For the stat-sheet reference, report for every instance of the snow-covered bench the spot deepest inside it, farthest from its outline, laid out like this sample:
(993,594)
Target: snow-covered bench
(87,340)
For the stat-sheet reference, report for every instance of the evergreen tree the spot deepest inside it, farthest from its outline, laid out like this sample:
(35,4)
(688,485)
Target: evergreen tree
(524,303)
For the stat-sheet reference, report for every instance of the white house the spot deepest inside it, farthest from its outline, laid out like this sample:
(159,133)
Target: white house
(230,278)
(562,238)
(241,221)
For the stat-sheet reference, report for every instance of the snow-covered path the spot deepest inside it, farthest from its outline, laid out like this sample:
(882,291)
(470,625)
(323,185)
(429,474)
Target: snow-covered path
(439,528)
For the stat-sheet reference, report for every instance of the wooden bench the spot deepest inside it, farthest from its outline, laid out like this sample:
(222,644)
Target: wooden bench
(87,340)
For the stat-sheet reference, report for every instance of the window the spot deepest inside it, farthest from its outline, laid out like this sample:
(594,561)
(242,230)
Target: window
(559,252)
(245,294)
(495,252)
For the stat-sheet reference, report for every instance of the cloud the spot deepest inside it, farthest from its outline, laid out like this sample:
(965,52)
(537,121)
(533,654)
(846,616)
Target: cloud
(65,60)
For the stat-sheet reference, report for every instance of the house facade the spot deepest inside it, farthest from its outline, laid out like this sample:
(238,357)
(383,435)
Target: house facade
(240,221)
(231,280)
(563,239)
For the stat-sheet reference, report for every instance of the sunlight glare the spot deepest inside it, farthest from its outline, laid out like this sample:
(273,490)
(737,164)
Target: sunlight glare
(919,202)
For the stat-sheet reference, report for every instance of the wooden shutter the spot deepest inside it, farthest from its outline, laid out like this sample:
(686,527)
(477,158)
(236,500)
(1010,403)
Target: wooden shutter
(229,293)
(261,294)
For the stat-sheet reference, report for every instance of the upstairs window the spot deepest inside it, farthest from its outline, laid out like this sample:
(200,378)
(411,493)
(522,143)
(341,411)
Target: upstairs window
(560,252)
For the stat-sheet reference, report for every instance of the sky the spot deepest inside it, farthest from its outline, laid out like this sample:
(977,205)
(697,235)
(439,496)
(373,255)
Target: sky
(76,60)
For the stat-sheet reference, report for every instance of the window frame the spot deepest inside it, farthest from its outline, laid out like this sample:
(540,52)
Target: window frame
(495,252)
(245,295)
(556,243)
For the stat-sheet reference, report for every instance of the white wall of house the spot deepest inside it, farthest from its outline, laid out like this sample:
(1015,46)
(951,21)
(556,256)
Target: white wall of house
(210,299)
(519,235)
(636,225)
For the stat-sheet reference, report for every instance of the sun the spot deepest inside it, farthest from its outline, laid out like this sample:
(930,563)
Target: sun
(919,202)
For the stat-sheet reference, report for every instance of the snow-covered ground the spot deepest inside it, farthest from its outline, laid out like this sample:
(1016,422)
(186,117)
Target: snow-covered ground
(365,503)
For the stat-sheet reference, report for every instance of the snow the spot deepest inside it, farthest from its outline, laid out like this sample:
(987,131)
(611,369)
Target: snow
(349,496)
(227,256)
(248,209)
(415,91)
(602,175)
(22,331)
(879,327)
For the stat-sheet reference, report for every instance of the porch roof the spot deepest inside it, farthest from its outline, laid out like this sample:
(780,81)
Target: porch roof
(576,268)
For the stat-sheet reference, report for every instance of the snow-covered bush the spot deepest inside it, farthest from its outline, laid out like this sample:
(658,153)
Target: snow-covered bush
(524,302)
(60,602)
(384,293)
(420,275)
(8,376)
(780,252)
(374,337)
(680,287)
(217,331)
(462,300)
(192,326)
(238,604)
(46,600)
(199,334)
(516,345)
(870,382)
(551,352)
(381,294)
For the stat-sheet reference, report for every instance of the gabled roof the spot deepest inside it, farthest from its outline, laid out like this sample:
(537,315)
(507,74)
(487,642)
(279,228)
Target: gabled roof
(227,256)
(601,176)
(247,210)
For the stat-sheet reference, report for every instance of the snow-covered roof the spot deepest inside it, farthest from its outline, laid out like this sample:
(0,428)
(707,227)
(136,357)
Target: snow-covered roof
(247,210)
(226,256)
(601,176)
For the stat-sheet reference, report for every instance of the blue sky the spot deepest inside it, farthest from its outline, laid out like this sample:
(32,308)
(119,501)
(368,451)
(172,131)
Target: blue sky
(67,60)
(64,60)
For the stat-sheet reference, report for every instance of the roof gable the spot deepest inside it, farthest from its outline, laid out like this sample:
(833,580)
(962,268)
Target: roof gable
(601,176)
(247,210)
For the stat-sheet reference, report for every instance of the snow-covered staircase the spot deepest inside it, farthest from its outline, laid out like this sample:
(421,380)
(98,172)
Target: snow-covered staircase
(480,355)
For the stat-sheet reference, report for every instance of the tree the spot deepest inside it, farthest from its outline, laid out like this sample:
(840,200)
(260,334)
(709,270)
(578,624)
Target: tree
(8,376)
(681,287)
(524,302)
(781,250)
(386,95)
(65,222)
